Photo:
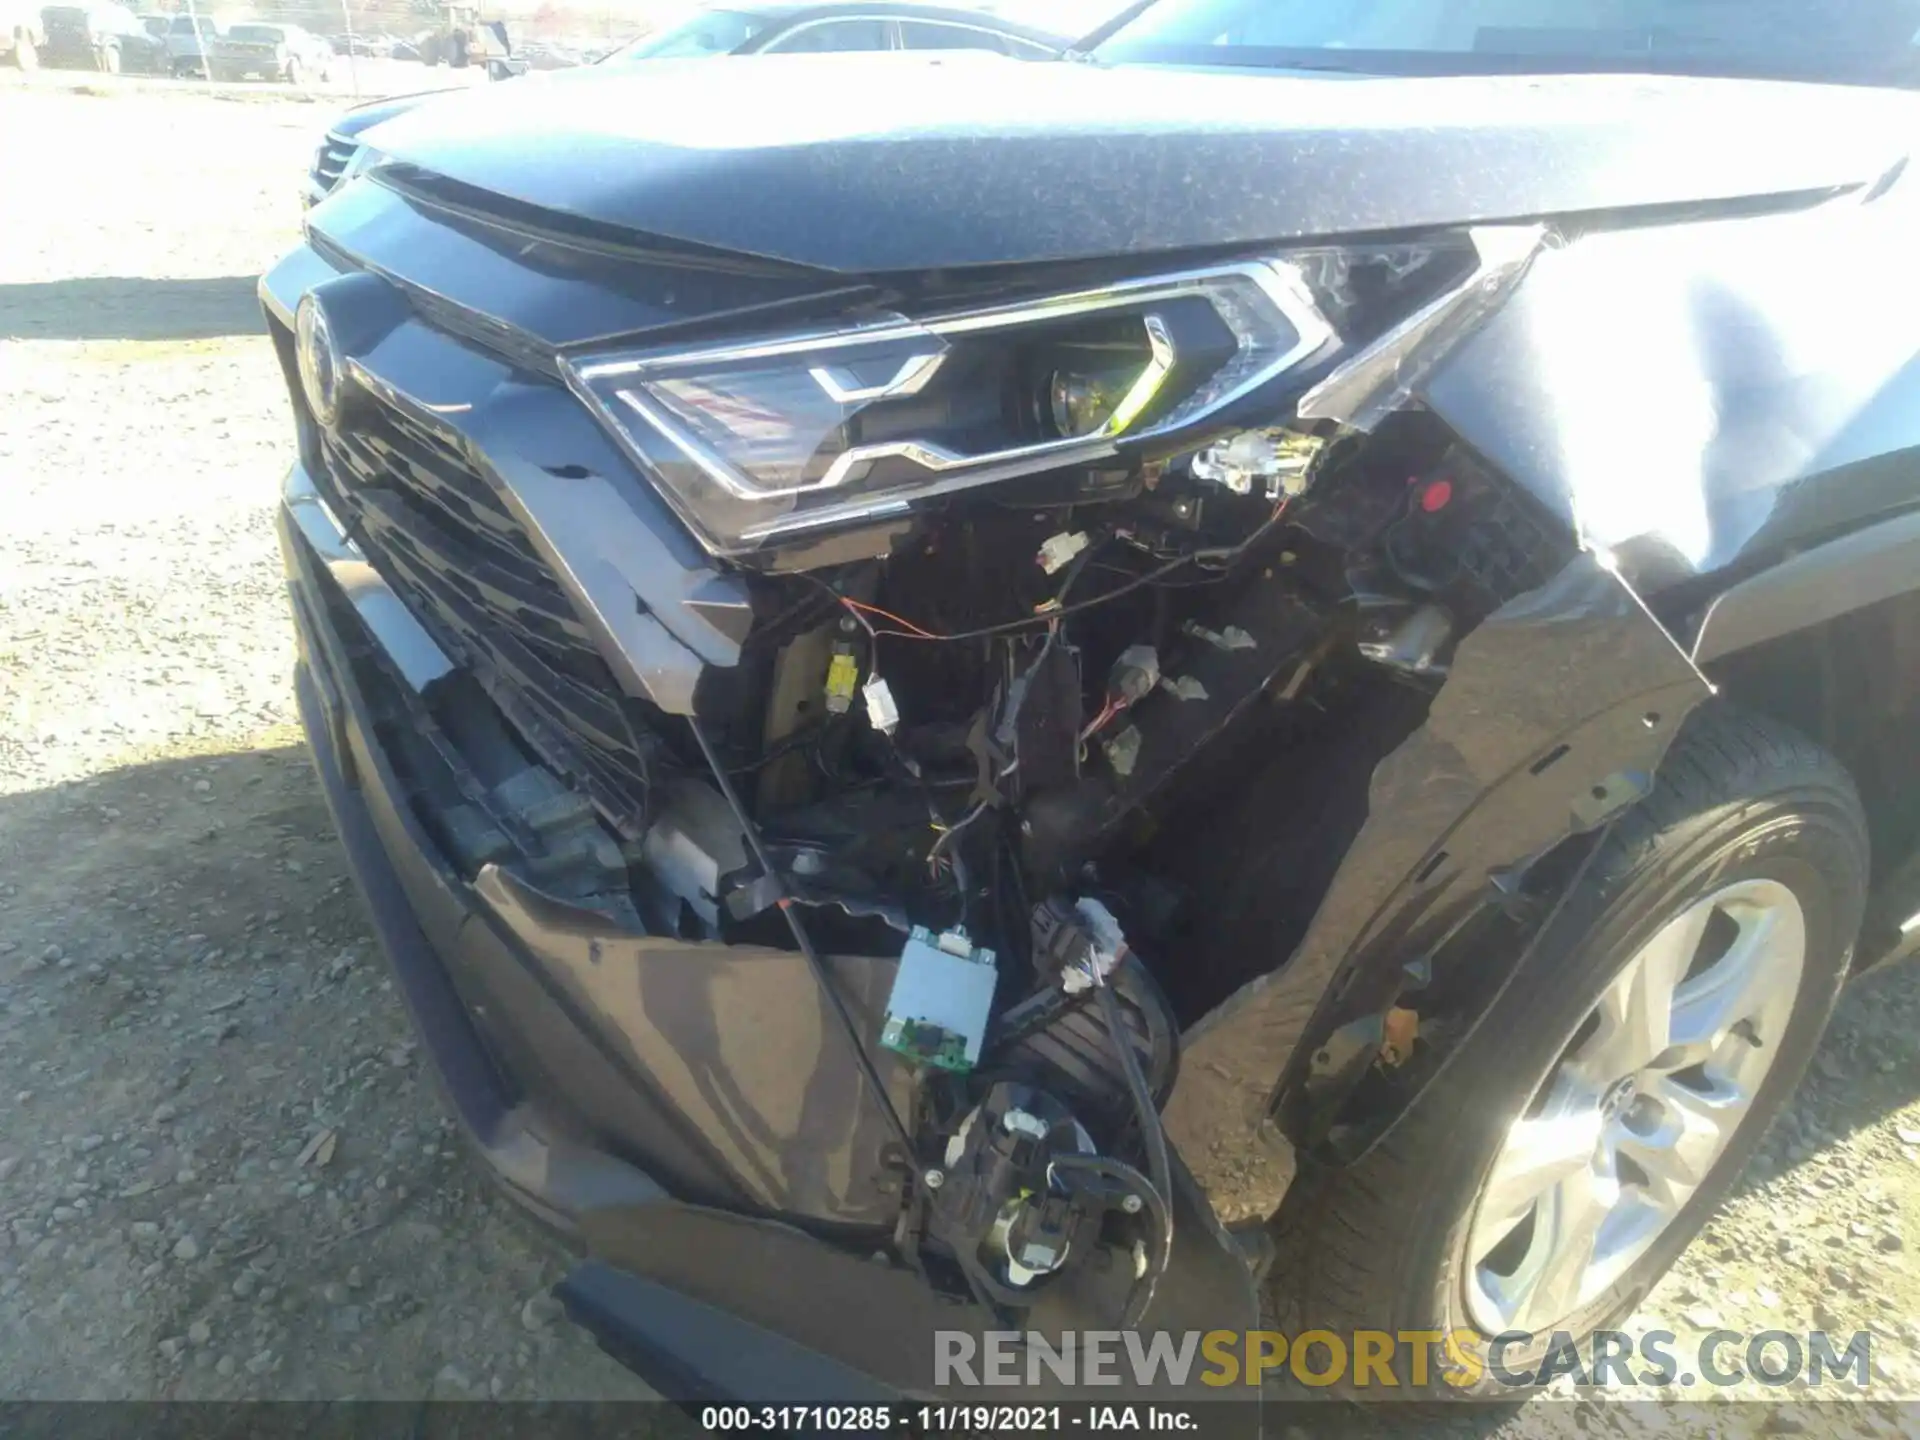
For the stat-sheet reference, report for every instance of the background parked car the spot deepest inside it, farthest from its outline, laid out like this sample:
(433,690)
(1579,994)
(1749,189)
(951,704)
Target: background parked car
(367,46)
(462,39)
(21,34)
(271,52)
(784,28)
(765,29)
(105,37)
(188,40)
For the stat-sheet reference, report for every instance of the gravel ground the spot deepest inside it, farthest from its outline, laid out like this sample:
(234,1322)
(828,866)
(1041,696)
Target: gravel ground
(222,1172)
(189,996)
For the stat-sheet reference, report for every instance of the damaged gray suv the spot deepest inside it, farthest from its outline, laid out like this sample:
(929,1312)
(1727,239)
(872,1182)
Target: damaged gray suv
(1274,665)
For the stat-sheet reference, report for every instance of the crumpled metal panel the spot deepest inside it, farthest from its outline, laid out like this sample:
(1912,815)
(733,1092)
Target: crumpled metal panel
(738,1042)
(1687,398)
(1578,663)
(1690,396)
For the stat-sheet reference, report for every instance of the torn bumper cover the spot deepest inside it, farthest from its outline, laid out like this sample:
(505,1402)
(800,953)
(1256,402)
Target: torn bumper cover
(679,1110)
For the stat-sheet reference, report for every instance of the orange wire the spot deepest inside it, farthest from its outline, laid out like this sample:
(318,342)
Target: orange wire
(918,632)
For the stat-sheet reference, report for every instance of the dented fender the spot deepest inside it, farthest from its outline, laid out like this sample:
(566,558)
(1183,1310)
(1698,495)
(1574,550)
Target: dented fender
(1699,398)
(1697,403)
(1555,716)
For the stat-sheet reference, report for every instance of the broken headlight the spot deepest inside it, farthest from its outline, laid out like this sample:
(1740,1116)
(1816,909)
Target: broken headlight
(752,442)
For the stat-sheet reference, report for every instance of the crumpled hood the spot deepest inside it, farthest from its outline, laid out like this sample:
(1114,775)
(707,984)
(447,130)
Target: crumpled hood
(873,163)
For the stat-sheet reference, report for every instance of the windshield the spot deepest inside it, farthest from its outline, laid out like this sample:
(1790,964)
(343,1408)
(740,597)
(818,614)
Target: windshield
(706,32)
(1870,41)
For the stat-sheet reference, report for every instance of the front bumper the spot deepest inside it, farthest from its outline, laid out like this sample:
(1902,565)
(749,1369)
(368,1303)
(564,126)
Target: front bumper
(678,1109)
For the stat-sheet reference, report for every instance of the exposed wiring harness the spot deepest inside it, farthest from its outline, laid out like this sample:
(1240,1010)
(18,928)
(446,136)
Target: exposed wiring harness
(1057,609)
(1156,1193)
(1154,1189)
(751,833)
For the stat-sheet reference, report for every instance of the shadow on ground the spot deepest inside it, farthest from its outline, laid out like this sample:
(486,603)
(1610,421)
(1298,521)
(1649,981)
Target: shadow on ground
(189,926)
(113,307)
(189,997)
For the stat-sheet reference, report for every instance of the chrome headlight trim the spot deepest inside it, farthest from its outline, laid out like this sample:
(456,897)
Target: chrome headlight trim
(1373,381)
(597,382)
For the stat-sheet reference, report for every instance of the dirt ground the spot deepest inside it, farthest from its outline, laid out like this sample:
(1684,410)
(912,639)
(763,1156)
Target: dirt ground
(222,1172)
(188,991)
(366,78)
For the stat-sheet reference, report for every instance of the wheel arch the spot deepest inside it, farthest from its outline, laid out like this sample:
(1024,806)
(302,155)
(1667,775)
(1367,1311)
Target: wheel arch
(1828,641)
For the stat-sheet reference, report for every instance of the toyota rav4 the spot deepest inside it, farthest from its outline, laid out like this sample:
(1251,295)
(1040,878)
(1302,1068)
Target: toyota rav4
(1273,664)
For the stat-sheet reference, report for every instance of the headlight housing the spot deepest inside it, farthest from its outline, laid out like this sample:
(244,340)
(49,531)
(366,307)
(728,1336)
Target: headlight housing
(755,441)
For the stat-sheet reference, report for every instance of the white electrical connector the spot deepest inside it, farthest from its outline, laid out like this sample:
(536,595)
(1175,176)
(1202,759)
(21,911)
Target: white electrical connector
(1135,673)
(1280,459)
(1109,946)
(882,713)
(1057,550)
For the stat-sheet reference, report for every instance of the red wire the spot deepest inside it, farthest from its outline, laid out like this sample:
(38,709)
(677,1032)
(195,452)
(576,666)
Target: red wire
(1107,712)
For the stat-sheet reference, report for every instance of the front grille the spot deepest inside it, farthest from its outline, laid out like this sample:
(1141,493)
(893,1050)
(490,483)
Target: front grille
(331,163)
(432,524)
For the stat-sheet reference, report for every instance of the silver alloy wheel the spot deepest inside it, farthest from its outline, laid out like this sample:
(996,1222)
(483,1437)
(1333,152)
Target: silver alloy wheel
(1638,1108)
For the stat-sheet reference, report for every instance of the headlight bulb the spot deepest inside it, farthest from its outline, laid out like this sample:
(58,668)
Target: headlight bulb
(1079,404)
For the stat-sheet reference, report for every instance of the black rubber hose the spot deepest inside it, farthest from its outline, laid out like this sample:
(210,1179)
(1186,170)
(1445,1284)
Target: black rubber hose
(1152,1134)
(1136,984)
(751,833)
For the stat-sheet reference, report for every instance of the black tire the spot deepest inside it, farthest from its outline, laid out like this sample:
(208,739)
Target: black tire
(1379,1245)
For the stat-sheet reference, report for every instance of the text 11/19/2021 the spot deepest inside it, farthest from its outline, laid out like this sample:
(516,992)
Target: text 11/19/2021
(962,1419)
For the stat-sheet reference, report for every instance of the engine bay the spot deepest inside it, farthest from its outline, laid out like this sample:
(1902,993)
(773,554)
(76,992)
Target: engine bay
(1030,687)
(1004,754)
